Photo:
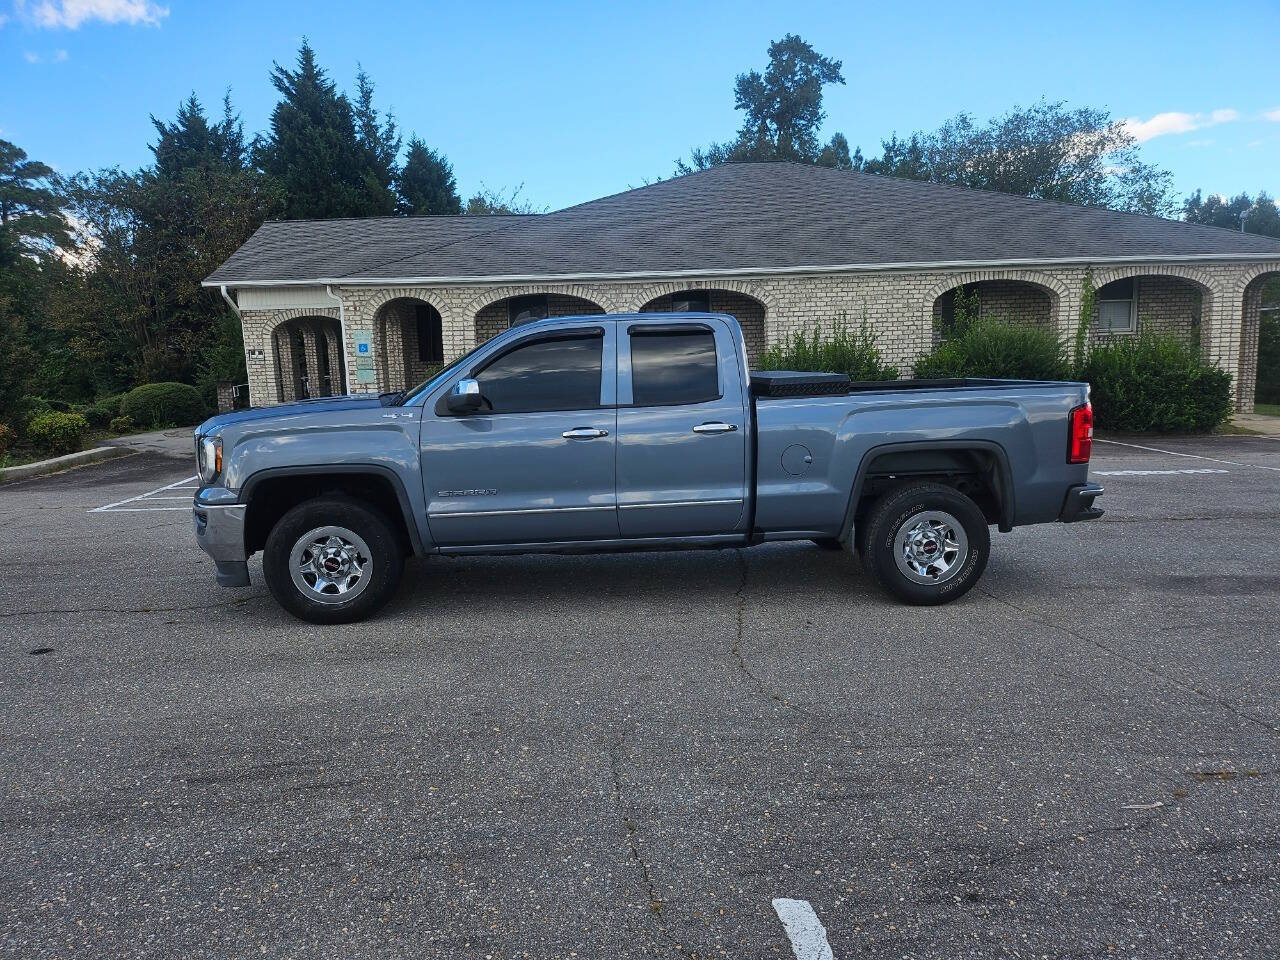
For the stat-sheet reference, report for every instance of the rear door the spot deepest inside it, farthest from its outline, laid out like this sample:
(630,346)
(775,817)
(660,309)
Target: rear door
(536,464)
(681,452)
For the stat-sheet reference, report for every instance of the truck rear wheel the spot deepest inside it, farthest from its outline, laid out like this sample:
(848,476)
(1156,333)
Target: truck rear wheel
(332,560)
(925,543)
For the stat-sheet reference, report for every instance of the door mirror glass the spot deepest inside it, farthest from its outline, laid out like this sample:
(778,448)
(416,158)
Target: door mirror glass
(464,397)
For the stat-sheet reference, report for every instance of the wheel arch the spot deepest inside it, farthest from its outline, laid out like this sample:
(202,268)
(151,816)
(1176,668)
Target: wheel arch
(932,456)
(276,489)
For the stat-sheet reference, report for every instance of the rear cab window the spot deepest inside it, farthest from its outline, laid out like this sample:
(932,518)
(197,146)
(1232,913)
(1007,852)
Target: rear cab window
(673,364)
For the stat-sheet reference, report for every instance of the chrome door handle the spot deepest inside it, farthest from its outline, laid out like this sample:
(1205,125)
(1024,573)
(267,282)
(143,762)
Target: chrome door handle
(584,433)
(715,428)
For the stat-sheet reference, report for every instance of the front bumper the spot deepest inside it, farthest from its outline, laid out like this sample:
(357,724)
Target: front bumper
(1079,503)
(220,533)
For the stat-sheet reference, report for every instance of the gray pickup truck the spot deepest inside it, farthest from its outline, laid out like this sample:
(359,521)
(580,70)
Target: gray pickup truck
(635,431)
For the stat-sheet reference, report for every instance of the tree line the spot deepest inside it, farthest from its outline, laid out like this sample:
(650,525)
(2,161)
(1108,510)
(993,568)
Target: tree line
(100,271)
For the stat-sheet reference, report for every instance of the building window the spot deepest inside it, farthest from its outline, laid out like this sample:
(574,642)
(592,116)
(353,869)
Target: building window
(430,333)
(527,309)
(691,301)
(1118,306)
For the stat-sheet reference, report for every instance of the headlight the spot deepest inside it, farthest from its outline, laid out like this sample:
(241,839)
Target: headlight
(209,458)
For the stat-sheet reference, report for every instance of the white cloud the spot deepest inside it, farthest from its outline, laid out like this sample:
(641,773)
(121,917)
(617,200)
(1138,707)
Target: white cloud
(4,18)
(1272,115)
(1175,122)
(58,56)
(71,14)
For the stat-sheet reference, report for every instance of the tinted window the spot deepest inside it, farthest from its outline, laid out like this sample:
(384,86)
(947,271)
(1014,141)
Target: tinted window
(673,368)
(691,301)
(430,334)
(561,374)
(526,309)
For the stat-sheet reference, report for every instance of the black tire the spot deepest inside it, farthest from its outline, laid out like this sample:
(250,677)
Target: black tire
(889,516)
(828,543)
(369,525)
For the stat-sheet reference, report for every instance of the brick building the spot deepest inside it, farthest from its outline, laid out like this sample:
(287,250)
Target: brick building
(369,305)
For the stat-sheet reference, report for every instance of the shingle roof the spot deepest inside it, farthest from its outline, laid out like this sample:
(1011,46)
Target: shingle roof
(734,217)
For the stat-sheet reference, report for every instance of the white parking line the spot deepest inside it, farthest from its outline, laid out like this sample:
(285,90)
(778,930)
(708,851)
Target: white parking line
(1155,473)
(120,506)
(1192,456)
(805,931)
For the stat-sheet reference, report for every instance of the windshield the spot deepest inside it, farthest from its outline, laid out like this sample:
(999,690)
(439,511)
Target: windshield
(413,393)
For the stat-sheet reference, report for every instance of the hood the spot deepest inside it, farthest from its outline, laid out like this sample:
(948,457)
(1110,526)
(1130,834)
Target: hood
(318,405)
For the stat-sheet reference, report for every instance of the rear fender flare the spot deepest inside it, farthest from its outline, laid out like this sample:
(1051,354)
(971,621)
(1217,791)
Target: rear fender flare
(1004,475)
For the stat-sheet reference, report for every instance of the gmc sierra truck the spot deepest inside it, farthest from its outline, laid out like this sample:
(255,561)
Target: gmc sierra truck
(630,431)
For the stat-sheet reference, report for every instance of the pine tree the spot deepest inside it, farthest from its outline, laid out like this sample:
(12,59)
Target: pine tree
(426,182)
(381,144)
(313,150)
(192,142)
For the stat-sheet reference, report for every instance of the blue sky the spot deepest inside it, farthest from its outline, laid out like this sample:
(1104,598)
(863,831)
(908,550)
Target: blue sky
(578,100)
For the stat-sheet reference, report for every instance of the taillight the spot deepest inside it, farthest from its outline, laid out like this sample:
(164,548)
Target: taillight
(1080,439)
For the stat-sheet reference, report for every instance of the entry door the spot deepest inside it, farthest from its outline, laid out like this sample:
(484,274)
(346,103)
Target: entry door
(536,464)
(681,430)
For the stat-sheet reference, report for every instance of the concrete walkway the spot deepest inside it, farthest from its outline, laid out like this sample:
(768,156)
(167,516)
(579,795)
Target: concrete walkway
(178,442)
(1258,423)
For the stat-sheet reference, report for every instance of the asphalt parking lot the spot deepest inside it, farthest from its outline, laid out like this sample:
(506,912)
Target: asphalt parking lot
(638,754)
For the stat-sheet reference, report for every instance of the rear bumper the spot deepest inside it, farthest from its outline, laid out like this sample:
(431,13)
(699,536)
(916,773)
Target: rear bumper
(1079,503)
(220,533)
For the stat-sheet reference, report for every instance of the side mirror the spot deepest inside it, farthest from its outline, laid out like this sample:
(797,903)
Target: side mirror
(464,397)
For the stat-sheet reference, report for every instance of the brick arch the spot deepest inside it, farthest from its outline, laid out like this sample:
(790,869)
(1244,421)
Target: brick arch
(492,295)
(1245,277)
(740,300)
(1058,292)
(1246,298)
(1209,287)
(285,388)
(643,296)
(384,296)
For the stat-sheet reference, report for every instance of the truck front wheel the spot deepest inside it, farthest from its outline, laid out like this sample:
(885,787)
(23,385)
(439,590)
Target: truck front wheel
(332,560)
(925,543)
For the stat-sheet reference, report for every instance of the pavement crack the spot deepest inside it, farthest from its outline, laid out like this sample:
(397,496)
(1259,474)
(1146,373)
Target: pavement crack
(1146,668)
(647,886)
(143,609)
(740,601)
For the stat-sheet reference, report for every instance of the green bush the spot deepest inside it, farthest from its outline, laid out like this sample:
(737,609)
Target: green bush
(8,437)
(103,410)
(1155,383)
(993,348)
(121,425)
(57,433)
(161,404)
(840,351)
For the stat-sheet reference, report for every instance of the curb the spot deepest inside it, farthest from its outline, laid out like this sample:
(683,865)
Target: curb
(84,457)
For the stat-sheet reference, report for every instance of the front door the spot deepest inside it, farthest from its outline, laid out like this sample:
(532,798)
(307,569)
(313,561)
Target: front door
(682,462)
(536,463)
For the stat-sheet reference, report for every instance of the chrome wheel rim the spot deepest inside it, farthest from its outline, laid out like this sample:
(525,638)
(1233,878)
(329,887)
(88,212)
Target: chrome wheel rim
(330,564)
(930,547)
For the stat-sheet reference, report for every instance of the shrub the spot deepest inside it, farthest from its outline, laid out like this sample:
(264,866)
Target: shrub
(1155,382)
(841,351)
(57,433)
(992,348)
(159,404)
(8,437)
(103,410)
(121,425)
